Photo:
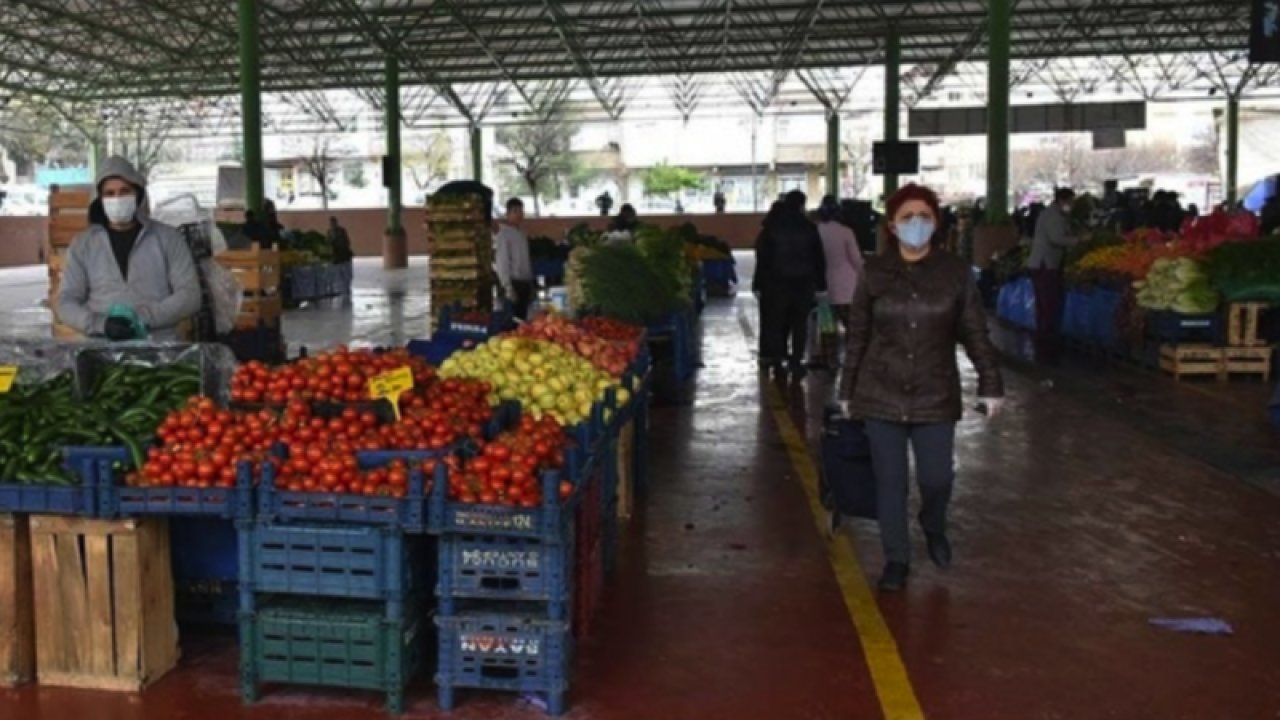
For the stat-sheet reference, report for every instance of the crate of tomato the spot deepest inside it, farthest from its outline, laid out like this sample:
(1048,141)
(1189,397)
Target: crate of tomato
(523,483)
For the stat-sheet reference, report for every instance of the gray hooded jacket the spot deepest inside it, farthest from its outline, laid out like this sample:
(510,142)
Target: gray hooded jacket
(163,288)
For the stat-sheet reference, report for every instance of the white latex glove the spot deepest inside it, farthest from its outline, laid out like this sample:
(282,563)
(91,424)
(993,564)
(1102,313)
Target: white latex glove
(994,406)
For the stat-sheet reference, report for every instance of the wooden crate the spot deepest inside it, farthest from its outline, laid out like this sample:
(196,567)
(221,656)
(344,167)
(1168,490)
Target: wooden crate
(1191,360)
(626,470)
(257,270)
(68,215)
(17,619)
(104,602)
(256,311)
(1248,361)
(1242,324)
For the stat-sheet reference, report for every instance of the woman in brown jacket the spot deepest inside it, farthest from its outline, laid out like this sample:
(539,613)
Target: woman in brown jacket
(915,303)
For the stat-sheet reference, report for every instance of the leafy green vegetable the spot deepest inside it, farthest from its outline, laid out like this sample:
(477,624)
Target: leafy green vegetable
(619,282)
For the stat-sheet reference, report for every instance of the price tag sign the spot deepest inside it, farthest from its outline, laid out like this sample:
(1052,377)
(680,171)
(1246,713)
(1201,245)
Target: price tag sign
(391,385)
(8,373)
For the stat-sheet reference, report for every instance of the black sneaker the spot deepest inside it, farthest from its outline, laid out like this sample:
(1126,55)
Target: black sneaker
(894,578)
(939,549)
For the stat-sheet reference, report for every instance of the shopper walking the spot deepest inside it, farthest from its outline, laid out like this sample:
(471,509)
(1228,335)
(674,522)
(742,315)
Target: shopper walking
(515,269)
(911,308)
(340,242)
(790,271)
(1053,237)
(843,258)
(127,277)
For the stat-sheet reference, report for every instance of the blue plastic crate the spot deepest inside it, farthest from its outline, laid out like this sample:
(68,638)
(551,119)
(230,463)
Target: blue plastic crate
(355,562)
(204,549)
(408,513)
(720,271)
(499,322)
(121,501)
(548,522)
(550,270)
(494,567)
(304,282)
(439,348)
(1103,326)
(85,464)
(1075,315)
(211,602)
(516,650)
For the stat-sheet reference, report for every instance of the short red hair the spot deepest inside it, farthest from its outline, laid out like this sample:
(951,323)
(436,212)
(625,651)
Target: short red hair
(911,191)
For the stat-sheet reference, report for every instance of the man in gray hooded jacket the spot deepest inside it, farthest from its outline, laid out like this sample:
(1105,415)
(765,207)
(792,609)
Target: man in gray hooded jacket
(125,268)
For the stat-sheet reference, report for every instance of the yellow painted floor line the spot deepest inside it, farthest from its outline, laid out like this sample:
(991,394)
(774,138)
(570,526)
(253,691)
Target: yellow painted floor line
(888,673)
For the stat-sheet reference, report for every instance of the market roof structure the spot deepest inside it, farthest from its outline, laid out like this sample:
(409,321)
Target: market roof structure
(93,51)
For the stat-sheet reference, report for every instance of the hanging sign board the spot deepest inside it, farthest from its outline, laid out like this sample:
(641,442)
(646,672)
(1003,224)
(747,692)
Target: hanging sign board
(1108,139)
(1264,32)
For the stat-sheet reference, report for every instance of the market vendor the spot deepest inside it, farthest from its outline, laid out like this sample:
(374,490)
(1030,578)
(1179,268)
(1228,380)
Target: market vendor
(126,277)
(515,270)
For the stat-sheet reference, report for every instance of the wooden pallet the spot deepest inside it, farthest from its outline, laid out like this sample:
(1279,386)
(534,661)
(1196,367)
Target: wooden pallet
(1247,361)
(626,470)
(17,609)
(104,613)
(258,272)
(68,215)
(1191,360)
(1242,324)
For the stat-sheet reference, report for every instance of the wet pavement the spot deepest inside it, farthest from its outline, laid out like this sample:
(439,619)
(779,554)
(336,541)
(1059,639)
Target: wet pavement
(1100,500)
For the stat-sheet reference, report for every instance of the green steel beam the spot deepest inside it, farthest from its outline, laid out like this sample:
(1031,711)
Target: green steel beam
(393,183)
(833,153)
(892,102)
(251,106)
(998,21)
(1233,148)
(477,153)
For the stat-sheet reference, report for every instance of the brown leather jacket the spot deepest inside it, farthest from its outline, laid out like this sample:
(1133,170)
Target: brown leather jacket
(904,325)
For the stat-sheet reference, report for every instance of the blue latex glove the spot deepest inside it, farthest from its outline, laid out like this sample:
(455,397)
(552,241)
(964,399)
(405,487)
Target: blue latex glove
(120,310)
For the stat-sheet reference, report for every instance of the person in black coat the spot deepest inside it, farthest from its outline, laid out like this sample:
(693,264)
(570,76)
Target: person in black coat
(791,270)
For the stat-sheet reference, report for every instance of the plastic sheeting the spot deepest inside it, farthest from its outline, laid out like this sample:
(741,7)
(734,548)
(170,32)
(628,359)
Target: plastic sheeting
(40,360)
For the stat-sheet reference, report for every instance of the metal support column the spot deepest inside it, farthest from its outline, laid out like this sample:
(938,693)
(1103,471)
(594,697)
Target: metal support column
(477,153)
(833,154)
(998,20)
(1233,149)
(251,106)
(892,101)
(395,248)
(393,183)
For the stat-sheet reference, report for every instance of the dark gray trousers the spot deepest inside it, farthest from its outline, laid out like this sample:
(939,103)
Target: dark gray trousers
(934,449)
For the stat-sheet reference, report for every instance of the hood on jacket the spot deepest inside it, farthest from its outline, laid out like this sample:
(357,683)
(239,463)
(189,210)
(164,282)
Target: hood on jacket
(118,167)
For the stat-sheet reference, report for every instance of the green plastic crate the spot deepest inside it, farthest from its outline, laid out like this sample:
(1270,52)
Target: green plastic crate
(337,644)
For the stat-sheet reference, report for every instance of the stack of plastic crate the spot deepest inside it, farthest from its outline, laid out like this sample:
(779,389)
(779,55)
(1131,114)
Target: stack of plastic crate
(338,603)
(507,589)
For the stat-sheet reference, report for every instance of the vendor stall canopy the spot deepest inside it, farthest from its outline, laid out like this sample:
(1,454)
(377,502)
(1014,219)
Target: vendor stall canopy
(465,62)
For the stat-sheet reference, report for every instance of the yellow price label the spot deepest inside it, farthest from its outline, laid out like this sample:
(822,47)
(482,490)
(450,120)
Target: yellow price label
(8,373)
(391,385)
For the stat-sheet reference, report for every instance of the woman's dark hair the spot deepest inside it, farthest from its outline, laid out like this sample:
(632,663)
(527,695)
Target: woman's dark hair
(829,209)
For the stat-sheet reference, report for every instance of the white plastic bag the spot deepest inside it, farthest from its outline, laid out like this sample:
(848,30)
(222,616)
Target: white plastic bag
(225,293)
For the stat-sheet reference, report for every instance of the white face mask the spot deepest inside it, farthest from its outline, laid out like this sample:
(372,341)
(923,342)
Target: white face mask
(120,209)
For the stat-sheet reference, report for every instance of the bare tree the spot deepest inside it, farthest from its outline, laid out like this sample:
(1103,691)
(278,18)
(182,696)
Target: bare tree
(857,158)
(1202,156)
(540,151)
(145,147)
(429,159)
(320,165)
